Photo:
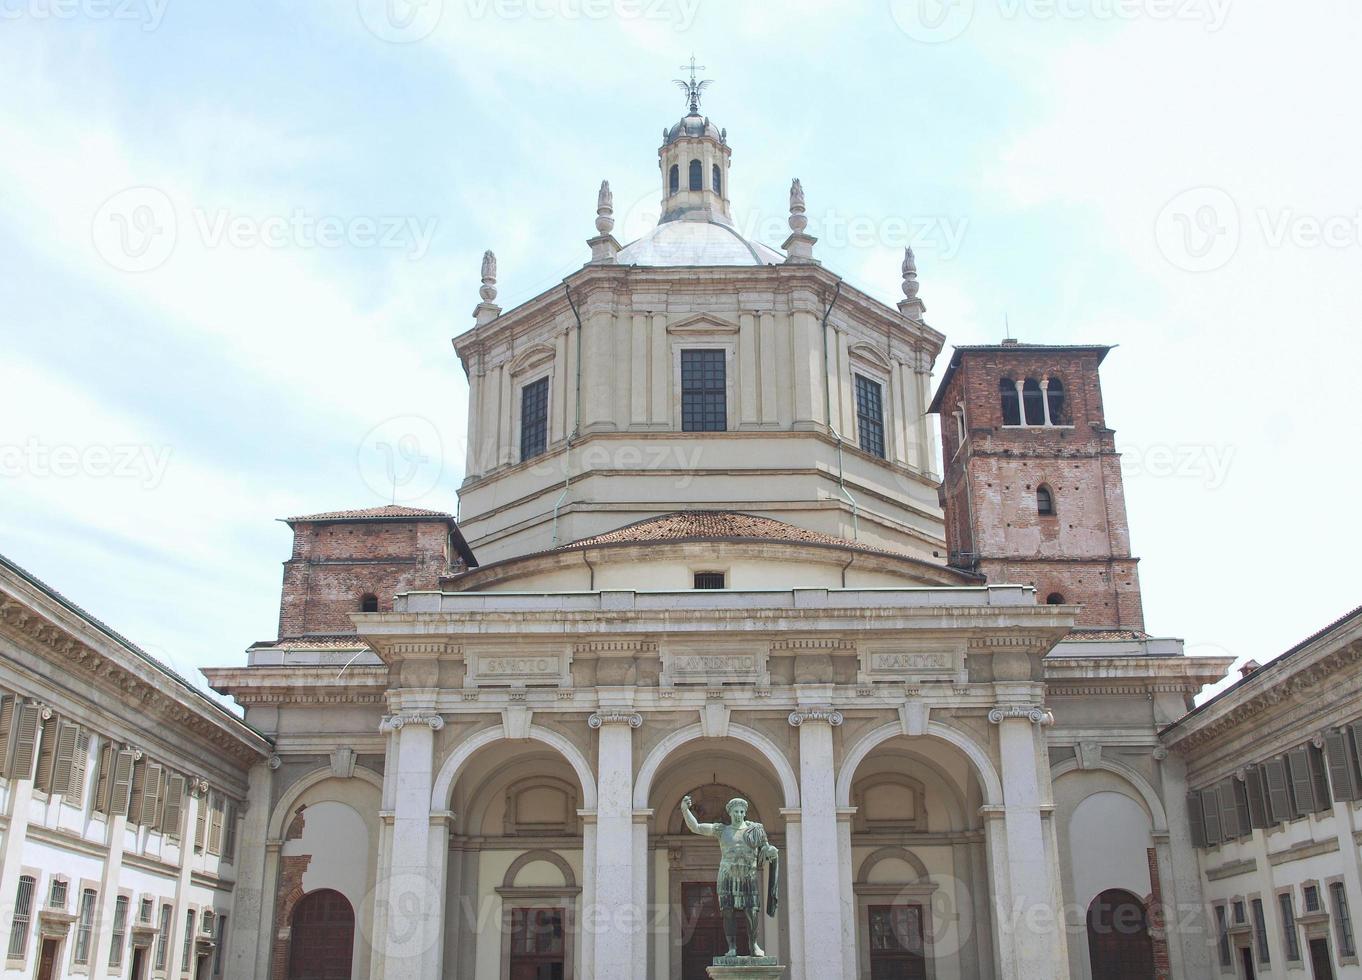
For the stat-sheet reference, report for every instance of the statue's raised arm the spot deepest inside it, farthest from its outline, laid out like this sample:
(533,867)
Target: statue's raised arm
(696,827)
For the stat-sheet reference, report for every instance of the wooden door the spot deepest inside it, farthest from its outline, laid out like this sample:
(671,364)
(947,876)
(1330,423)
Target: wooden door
(323,937)
(138,958)
(47,960)
(1119,947)
(537,944)
(896,947)
(1320,961)
(702,929)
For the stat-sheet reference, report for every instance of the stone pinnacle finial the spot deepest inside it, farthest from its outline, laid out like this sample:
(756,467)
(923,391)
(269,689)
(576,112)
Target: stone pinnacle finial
(605,209)
(911,306)
(488,292)
(798,220)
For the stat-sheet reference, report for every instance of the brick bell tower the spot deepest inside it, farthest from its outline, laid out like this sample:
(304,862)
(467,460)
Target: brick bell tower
(1032,489)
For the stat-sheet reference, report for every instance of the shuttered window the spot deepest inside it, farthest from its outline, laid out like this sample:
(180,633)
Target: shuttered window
(74,787)
(1210,807)
(8,702)
(229,832)
(1229,809)
(1256,791)
(1280,805)
(26,740)
(172,816)
(139,781)
(22,918)
(215,823)
(1309,784)
(152,793)
(64,756)
(201,825)
(1195,821)
(1342,771)
(104,778)
(47,756)
(120,791)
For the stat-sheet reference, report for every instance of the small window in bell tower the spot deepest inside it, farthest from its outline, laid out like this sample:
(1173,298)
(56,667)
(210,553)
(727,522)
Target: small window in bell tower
(697,175)
(718,180)
(674,180)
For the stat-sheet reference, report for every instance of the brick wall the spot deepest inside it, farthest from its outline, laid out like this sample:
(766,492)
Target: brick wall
(993,524)
(335,564)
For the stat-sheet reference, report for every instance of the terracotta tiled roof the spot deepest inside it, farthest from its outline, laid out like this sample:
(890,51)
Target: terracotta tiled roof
(388,512)
(1101,634)
(695,525)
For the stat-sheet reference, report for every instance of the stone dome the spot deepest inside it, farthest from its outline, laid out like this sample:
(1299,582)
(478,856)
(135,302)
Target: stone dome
(693,125)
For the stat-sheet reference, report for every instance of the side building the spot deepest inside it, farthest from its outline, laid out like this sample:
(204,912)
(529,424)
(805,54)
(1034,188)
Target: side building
(121,793)
(1275,809)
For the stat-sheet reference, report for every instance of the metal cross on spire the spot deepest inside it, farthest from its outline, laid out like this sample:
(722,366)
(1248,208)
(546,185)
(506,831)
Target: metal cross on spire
(693,88)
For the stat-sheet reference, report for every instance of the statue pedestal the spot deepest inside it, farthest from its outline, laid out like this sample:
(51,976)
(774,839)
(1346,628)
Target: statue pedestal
(745,968)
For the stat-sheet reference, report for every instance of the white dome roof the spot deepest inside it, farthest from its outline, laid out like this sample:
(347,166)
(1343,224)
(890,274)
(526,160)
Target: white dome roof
(696,240)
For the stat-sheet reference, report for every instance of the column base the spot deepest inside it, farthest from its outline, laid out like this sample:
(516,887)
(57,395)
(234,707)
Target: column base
(745,968)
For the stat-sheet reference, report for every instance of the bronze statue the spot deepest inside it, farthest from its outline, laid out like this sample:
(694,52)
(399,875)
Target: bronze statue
(743,848)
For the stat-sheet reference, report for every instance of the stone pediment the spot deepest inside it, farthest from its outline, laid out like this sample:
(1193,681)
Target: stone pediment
(702,325)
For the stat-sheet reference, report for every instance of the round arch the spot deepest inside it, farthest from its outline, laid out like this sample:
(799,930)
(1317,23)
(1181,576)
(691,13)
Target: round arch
(789,782)
(449,771)
(530,857)
(1148,795)
(983,766)
(294,793)
(899,853)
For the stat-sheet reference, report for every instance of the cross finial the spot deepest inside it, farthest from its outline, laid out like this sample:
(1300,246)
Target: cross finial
(694,87)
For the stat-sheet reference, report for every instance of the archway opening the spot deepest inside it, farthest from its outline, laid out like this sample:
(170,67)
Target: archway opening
(1119,946)
(321,937)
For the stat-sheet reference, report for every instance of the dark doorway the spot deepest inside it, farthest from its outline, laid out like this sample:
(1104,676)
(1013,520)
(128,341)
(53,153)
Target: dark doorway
(702,929)
(323,938)
(1246,957)
(1119,947)
(1320,961)
(537,947)
(47,960)
(896,950)
(139,955)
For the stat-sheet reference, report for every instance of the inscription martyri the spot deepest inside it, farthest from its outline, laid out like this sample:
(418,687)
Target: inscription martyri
(901,662)
(911,661)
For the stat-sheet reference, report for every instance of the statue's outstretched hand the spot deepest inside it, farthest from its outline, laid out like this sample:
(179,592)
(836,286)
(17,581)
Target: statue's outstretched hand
(685,802)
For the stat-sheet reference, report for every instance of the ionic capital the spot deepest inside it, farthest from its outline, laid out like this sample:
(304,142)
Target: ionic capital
(600,719)
(396,722)
(1035,714)
(830,715)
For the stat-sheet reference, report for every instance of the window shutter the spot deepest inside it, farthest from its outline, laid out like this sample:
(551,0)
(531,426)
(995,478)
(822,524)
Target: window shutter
(65,753)
(1229,810)
(1302,786)
(1341,776)
(1319,777)
(1354,739)
(173,815)
(215,825)
(139,780)
(47,756)
(1257,797)
(1243,818)
(7,703)
(229,832)
(120,787)
(80,759)
(151,796)
(1195,819)
(1278,791)
(1210,807)
(201,824)
(26,740)
(103,778)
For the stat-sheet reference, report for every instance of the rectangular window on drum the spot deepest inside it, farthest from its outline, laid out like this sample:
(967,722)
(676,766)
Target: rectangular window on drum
(534,419)
(704,391)
(870,415)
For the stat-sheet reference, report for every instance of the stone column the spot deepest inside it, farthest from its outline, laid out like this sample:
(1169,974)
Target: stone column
(617,922)
(1030,923)
(108,896)
(1189,954)
(846,892)
(794,895)
(198,797)
(244,937)
(16,832)
(819,875)
(413,883)
(586,921)
(641,866)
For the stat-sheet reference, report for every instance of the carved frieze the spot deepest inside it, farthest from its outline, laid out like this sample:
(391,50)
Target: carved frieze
(911,662)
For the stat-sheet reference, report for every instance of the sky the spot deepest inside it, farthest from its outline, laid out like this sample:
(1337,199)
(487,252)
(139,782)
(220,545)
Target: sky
(236,239)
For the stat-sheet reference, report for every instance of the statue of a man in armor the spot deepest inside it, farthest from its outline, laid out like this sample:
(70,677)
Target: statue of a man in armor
(743,848)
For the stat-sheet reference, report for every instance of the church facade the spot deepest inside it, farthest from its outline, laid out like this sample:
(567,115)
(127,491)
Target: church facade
(708,546)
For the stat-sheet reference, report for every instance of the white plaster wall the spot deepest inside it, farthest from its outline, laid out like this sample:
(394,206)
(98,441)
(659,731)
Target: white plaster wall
(1109,834)
(336,837)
